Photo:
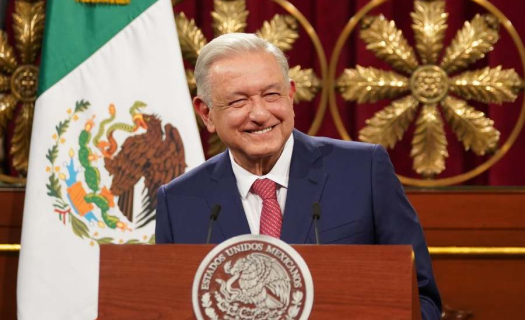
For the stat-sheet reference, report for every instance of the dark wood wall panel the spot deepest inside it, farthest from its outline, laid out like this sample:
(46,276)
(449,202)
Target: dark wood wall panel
(475,238)
(8,271)
(11,209)
(470,209)
(491,287)
(472,217)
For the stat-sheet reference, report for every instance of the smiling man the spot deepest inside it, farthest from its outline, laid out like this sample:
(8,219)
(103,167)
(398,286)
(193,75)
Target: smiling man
(249,106)
(271,174)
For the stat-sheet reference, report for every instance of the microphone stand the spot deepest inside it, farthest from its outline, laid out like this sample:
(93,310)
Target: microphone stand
(316,208)
(213,217)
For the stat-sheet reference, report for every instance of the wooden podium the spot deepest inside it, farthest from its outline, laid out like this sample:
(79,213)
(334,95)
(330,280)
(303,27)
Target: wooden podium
(350,282)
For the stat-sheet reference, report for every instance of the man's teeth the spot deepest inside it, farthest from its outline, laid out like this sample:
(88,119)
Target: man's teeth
(262,131)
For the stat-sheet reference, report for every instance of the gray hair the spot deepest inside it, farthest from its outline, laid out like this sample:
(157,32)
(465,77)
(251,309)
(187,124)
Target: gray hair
(229,45)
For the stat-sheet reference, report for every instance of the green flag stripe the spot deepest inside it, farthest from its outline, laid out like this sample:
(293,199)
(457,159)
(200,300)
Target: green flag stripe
(75,30)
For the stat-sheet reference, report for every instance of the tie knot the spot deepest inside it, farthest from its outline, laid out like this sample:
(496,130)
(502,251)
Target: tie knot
(264,188)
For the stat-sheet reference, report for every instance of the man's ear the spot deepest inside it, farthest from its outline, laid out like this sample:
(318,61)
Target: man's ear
(202,109)
(291,91)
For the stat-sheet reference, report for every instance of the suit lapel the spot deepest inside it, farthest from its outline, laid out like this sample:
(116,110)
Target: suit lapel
(306,184)
(232,219)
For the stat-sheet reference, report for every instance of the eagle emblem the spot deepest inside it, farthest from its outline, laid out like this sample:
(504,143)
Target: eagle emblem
(253,277)
(261,281)
(93,185)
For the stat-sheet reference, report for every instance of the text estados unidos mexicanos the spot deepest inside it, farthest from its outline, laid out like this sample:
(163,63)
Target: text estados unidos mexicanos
(283,257)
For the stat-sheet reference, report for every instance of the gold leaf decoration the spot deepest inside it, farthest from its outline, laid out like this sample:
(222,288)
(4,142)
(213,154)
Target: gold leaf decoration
(471,43)
(306,83)
(7,106)
(488,85)
(430,84)
(388,43)
(190,37)
(215,145)
(281,31)
(4,83)
(387,126)
(229,16)
(429,145)
(429,28)
(371,85)
(22,137)
(192,84)
(472,128)
(28,28)
(7,58)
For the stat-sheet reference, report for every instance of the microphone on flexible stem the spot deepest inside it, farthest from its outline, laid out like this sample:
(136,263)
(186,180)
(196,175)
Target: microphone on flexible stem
(316,215)
(213,217)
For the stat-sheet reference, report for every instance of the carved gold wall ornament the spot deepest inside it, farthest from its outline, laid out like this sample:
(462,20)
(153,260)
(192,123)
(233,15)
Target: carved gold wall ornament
(306,83)
(471,43)
(229,16)
(370,84)
(191,38)
(488,85)
(282,30)
(388,43)
(19,79)
(429,145)
(389,124)
(429,84)
(473,129)
(429,30)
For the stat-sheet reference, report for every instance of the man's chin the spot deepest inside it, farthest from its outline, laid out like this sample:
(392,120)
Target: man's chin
(265,153)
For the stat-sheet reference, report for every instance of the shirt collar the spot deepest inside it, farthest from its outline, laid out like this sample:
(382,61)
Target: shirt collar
(279,173)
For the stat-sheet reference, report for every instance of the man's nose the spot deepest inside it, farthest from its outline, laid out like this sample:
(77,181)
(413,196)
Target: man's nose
(259,112)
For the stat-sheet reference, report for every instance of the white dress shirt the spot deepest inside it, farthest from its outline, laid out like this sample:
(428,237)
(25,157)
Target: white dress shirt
(251,202)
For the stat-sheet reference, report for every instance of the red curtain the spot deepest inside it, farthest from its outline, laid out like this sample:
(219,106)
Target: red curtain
(329,18)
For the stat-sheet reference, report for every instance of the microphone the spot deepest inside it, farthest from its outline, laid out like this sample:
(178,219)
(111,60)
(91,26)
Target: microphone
(213,217)
(316,209)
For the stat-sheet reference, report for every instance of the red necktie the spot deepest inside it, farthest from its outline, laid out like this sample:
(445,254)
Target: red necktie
(271,216)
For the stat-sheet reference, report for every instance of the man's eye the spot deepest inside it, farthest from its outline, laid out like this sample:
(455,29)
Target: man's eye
(237,103)
(272,96)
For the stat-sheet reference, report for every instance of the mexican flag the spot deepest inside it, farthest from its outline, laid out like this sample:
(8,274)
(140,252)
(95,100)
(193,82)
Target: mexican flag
(113,122)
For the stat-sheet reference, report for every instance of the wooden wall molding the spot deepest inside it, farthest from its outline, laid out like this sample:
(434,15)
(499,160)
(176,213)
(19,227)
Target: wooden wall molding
(476,237)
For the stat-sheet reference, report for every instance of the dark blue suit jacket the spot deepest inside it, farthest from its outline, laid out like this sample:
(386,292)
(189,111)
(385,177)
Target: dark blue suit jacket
(362,202)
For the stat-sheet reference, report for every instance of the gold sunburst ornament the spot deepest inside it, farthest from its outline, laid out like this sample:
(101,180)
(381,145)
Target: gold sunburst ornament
(18,79)
(423,85)
(282,30)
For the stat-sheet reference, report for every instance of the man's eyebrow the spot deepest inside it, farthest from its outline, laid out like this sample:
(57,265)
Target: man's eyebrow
(235,95)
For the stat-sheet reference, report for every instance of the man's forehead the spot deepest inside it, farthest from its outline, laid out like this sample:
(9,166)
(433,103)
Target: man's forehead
(225,62)
(247,71)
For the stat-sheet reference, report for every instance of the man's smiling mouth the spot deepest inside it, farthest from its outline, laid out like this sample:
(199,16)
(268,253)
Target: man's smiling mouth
(261,131)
